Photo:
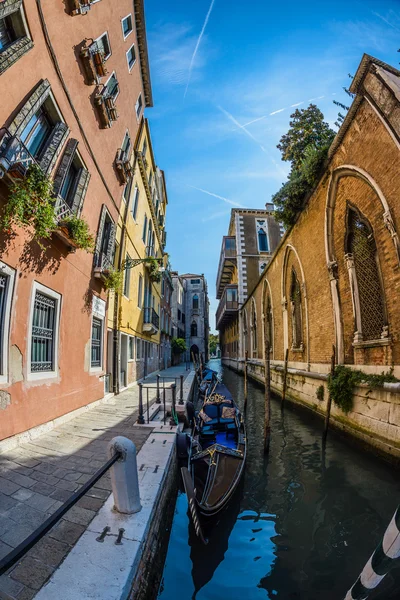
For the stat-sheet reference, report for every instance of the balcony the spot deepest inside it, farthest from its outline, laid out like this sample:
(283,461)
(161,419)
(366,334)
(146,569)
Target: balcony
(106,110)
(227,263)
(93,62)
(102,265)
(228,306)
(151,321)
(15,158)
(80,7)
(123,166)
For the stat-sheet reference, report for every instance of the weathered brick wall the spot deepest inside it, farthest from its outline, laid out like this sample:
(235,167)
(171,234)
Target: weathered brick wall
(363,173)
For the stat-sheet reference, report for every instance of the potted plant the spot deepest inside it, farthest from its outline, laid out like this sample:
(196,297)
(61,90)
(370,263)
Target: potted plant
(154,273)
(78,232)
(31,205)
(113,280)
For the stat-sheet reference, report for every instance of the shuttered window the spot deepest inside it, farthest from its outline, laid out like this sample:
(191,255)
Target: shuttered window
(6,33)
(4,281)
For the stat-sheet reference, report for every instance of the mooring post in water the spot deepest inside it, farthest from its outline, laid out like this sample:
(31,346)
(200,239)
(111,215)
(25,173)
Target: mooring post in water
(328,408)
(246,356)
(181,391)
(285,378)
(124,476)
(267,423)
(385,557)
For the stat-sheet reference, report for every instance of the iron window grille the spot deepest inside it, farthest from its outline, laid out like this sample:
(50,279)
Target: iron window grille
(96,342)
(4,279)
(43,333)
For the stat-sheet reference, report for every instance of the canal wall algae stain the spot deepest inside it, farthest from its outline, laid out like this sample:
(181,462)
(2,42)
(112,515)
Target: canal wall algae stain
(304,525)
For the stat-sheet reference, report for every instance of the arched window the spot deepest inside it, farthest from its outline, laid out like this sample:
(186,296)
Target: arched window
(245,332)
(195,302)
(262,235)
(193,329)
(254,331)
(295,305)
(268,321)
(365,280)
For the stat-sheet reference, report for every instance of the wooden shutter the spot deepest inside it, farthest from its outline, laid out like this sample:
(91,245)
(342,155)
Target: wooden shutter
(65,165)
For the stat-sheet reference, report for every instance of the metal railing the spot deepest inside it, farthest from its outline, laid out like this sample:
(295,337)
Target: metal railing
(225,304)
(15,555)
(102,261)
(14,152)
(161,392)
(150,316)
(61,209)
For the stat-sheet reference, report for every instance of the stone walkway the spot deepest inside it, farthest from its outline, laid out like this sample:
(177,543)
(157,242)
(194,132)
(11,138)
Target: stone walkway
(37,477)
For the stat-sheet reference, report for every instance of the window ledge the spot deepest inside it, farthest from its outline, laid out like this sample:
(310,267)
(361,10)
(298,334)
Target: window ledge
(11,54)
(298,350)
(373,343)
(40,375)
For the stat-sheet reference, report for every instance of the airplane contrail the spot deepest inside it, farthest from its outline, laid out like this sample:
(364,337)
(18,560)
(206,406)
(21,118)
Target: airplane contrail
(232,202)
(386,20)
(277,111)
(197,46)
(242,127)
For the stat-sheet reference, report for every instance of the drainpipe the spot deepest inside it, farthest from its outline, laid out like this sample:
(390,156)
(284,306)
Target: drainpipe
(117,295)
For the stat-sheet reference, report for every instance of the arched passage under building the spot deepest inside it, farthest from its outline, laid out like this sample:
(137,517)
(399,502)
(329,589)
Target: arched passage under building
(194,351)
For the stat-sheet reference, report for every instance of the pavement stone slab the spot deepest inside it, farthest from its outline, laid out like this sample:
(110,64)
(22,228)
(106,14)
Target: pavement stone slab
(10,587)
(50,551)
(67,532)
(31,572)
(16,534)
(8,487)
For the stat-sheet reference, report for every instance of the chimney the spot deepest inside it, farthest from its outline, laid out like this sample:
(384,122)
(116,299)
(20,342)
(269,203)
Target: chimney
(269,207)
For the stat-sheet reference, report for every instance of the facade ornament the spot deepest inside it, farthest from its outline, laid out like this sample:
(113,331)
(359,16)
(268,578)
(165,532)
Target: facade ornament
(388,220)
(349,258)
(284,303)
(385,332)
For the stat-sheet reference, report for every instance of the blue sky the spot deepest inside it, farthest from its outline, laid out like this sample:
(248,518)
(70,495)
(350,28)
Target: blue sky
(242,63)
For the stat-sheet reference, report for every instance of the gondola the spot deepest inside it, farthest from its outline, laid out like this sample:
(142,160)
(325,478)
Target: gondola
(212,458)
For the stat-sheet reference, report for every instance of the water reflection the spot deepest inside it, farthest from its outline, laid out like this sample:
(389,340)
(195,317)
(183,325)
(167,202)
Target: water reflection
(304,525)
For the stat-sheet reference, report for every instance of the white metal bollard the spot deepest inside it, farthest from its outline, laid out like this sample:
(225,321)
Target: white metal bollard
(124,476)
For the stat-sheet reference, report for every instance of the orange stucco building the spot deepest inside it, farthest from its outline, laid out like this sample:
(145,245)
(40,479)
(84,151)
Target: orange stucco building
(74,83)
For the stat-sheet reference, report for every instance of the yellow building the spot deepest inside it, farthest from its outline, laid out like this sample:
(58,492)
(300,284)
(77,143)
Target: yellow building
(134,310)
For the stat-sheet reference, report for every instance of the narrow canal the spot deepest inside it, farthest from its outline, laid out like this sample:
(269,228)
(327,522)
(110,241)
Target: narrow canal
(303,525)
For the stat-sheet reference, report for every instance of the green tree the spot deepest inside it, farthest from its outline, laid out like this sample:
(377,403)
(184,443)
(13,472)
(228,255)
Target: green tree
(306,147)
(307,128)
(178,345)
(212,343)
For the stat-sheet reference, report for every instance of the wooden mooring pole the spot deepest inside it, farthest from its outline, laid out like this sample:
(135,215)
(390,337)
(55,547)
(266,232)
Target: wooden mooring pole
(246,356)
(284,378)
(267,422)
(328,408)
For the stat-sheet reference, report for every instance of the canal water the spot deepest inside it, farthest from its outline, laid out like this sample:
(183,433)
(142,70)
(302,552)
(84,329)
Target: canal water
(303,525)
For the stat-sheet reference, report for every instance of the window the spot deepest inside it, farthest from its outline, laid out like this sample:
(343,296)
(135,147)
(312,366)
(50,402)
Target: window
(111,88)
(183,318)
(194,281)
(363,267)
(43,341)
(131,348)
(144,149)
(193,329)
(72,178)
(135,202)
(127,26)
(36,132)
(150,178)
(103,44)
(131,57)
(195,302)
(295,305)
(254,331)
(179,315)
(7,276)
(262,235)
(139,106)
(96,342)
(127,190)
(138,348)
(140,291)
(105,241)
(144,229)
(14,35)
(127,279)
(126,144)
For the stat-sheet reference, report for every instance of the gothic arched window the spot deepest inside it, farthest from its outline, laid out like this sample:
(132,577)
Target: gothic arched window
(245,332)
(268,321)
(262,236)
(195,302)
(193,329)
(254,330)
(295,305)
(365,281)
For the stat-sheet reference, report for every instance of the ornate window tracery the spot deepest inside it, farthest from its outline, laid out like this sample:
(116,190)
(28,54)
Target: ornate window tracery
(295,306)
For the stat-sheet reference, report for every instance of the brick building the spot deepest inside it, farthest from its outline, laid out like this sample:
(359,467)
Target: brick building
(74,84)
(253,235)
(335,277)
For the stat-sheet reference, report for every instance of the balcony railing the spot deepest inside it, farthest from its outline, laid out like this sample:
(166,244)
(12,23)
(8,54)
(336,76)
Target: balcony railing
(106,109)
(61,209)
(227,263)
(150,317)
(228,305)
(15,157)
(102,263)
(123,165)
